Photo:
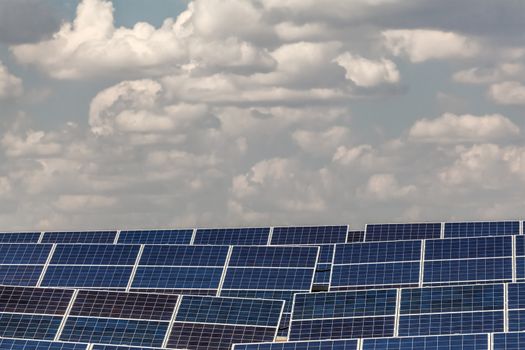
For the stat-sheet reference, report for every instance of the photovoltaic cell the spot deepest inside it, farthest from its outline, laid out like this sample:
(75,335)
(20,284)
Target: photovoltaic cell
(87,276)
(19,237)
(344,304)
(309,235)
(268,278)
(346,344)
(377,252)
(355,236)
(233,236)
(322,274)
(273,257)
(21,344)
(476,229)
(80,237)
(454,271)
(24,253)
(34,300)
(509,341)
(455,342)
(376,274)
(94,254)
(155,237)
(342,328)
(180,255)
(177,277)
(398,232)
(114,331)
(20,275)
(468,248)
(286,295)
(215,336)
(253,312)
(29,326)
(124,305)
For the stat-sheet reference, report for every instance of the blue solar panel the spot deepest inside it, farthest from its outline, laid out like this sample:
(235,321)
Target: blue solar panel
(19,237)
(454,271)
(87,276)
(388,274)
(520,245)
(184,255)
(233,236)
(177,277)
(29,326)
(476,229)
(20,275)
(286,295)
(398,232)
(359,327)
(347,344)
(113,331)
(24,253)
(120,347)
(345,304)
(95,254)
(516,295)
(326,253)
(20,344)
(454,342)
(268,278)
(377,252)
(355,236)
(80,237)
(156,237)
(309,235)
(322,274)
(468,248)
(233,311)
(34,300)
(509,341)
(273,256)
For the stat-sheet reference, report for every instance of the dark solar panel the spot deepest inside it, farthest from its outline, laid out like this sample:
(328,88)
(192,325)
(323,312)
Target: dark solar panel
(341,328)
(355,236)
(377,252)
(455,271)
(468,248)
(309,235)
(155,237)
(20,275)
(80,237)
(233,311)
(94,254)
(273,257)
(124,305)
(22,344)
(19,237)
(455,342)
(233,236)
(398,232)
(29,326)
(376,274)
(184,255)
(347,344)
(322,274)
(509,341)
(24,253)
(87,276)
(34,300)
(476,229)
(268,278)
(177,277)
(113,331)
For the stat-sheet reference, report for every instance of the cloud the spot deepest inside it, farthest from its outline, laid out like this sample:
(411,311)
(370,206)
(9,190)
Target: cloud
(35,143)
(421,45)
(10,85)
(79,203)
(451,128)
(385,187)
(322,142)
(482,75)
(367,73)
(508,93)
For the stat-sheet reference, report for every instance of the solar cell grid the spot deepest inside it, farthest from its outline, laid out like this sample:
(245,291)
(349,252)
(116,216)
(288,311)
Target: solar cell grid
(355,236)
(233,236)
(21,344)
(268,278)
(273,256)
(377,252)
(468,248)
(253,312)
(87,276)
(20,275)
(181,255)
(155,237)
(471,270)
(309,235)
(286,295)
(19,237)
(26,326)
(34,300)
(124,305)
(24,253)
(476,229)
(466,342)
(157,277)
(322,274)
(107,237)
(94,254)
(509,341)
(347,344)
(398,232)
(379,275)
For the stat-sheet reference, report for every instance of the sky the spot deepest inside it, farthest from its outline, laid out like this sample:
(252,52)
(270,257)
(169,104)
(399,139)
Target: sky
(212,113)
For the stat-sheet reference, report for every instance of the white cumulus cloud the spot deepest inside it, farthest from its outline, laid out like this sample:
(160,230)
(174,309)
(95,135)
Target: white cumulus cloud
(508,93)
(367,73)
(10,85)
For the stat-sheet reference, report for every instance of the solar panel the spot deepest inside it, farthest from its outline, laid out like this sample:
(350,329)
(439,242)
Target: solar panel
(95,254)
(181,255)
(34,300)
(347,344)
(339,315)
(454,342)
(19,237)
(378,264)
(233,236)
(397,232)
(448,310)
(27,326)
(309,235)
(80,237)
(20,275)
(355,236)
(509,341)
(87,276)
(288,257)
(155,237)
(24,253)
(24,344)
(516,306)
(477,229)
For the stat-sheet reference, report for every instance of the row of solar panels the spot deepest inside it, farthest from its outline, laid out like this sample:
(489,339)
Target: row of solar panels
(275,235)
(494,341)
(136,319)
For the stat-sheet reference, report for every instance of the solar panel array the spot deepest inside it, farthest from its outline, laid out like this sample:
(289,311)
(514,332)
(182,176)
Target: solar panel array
(457,285)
